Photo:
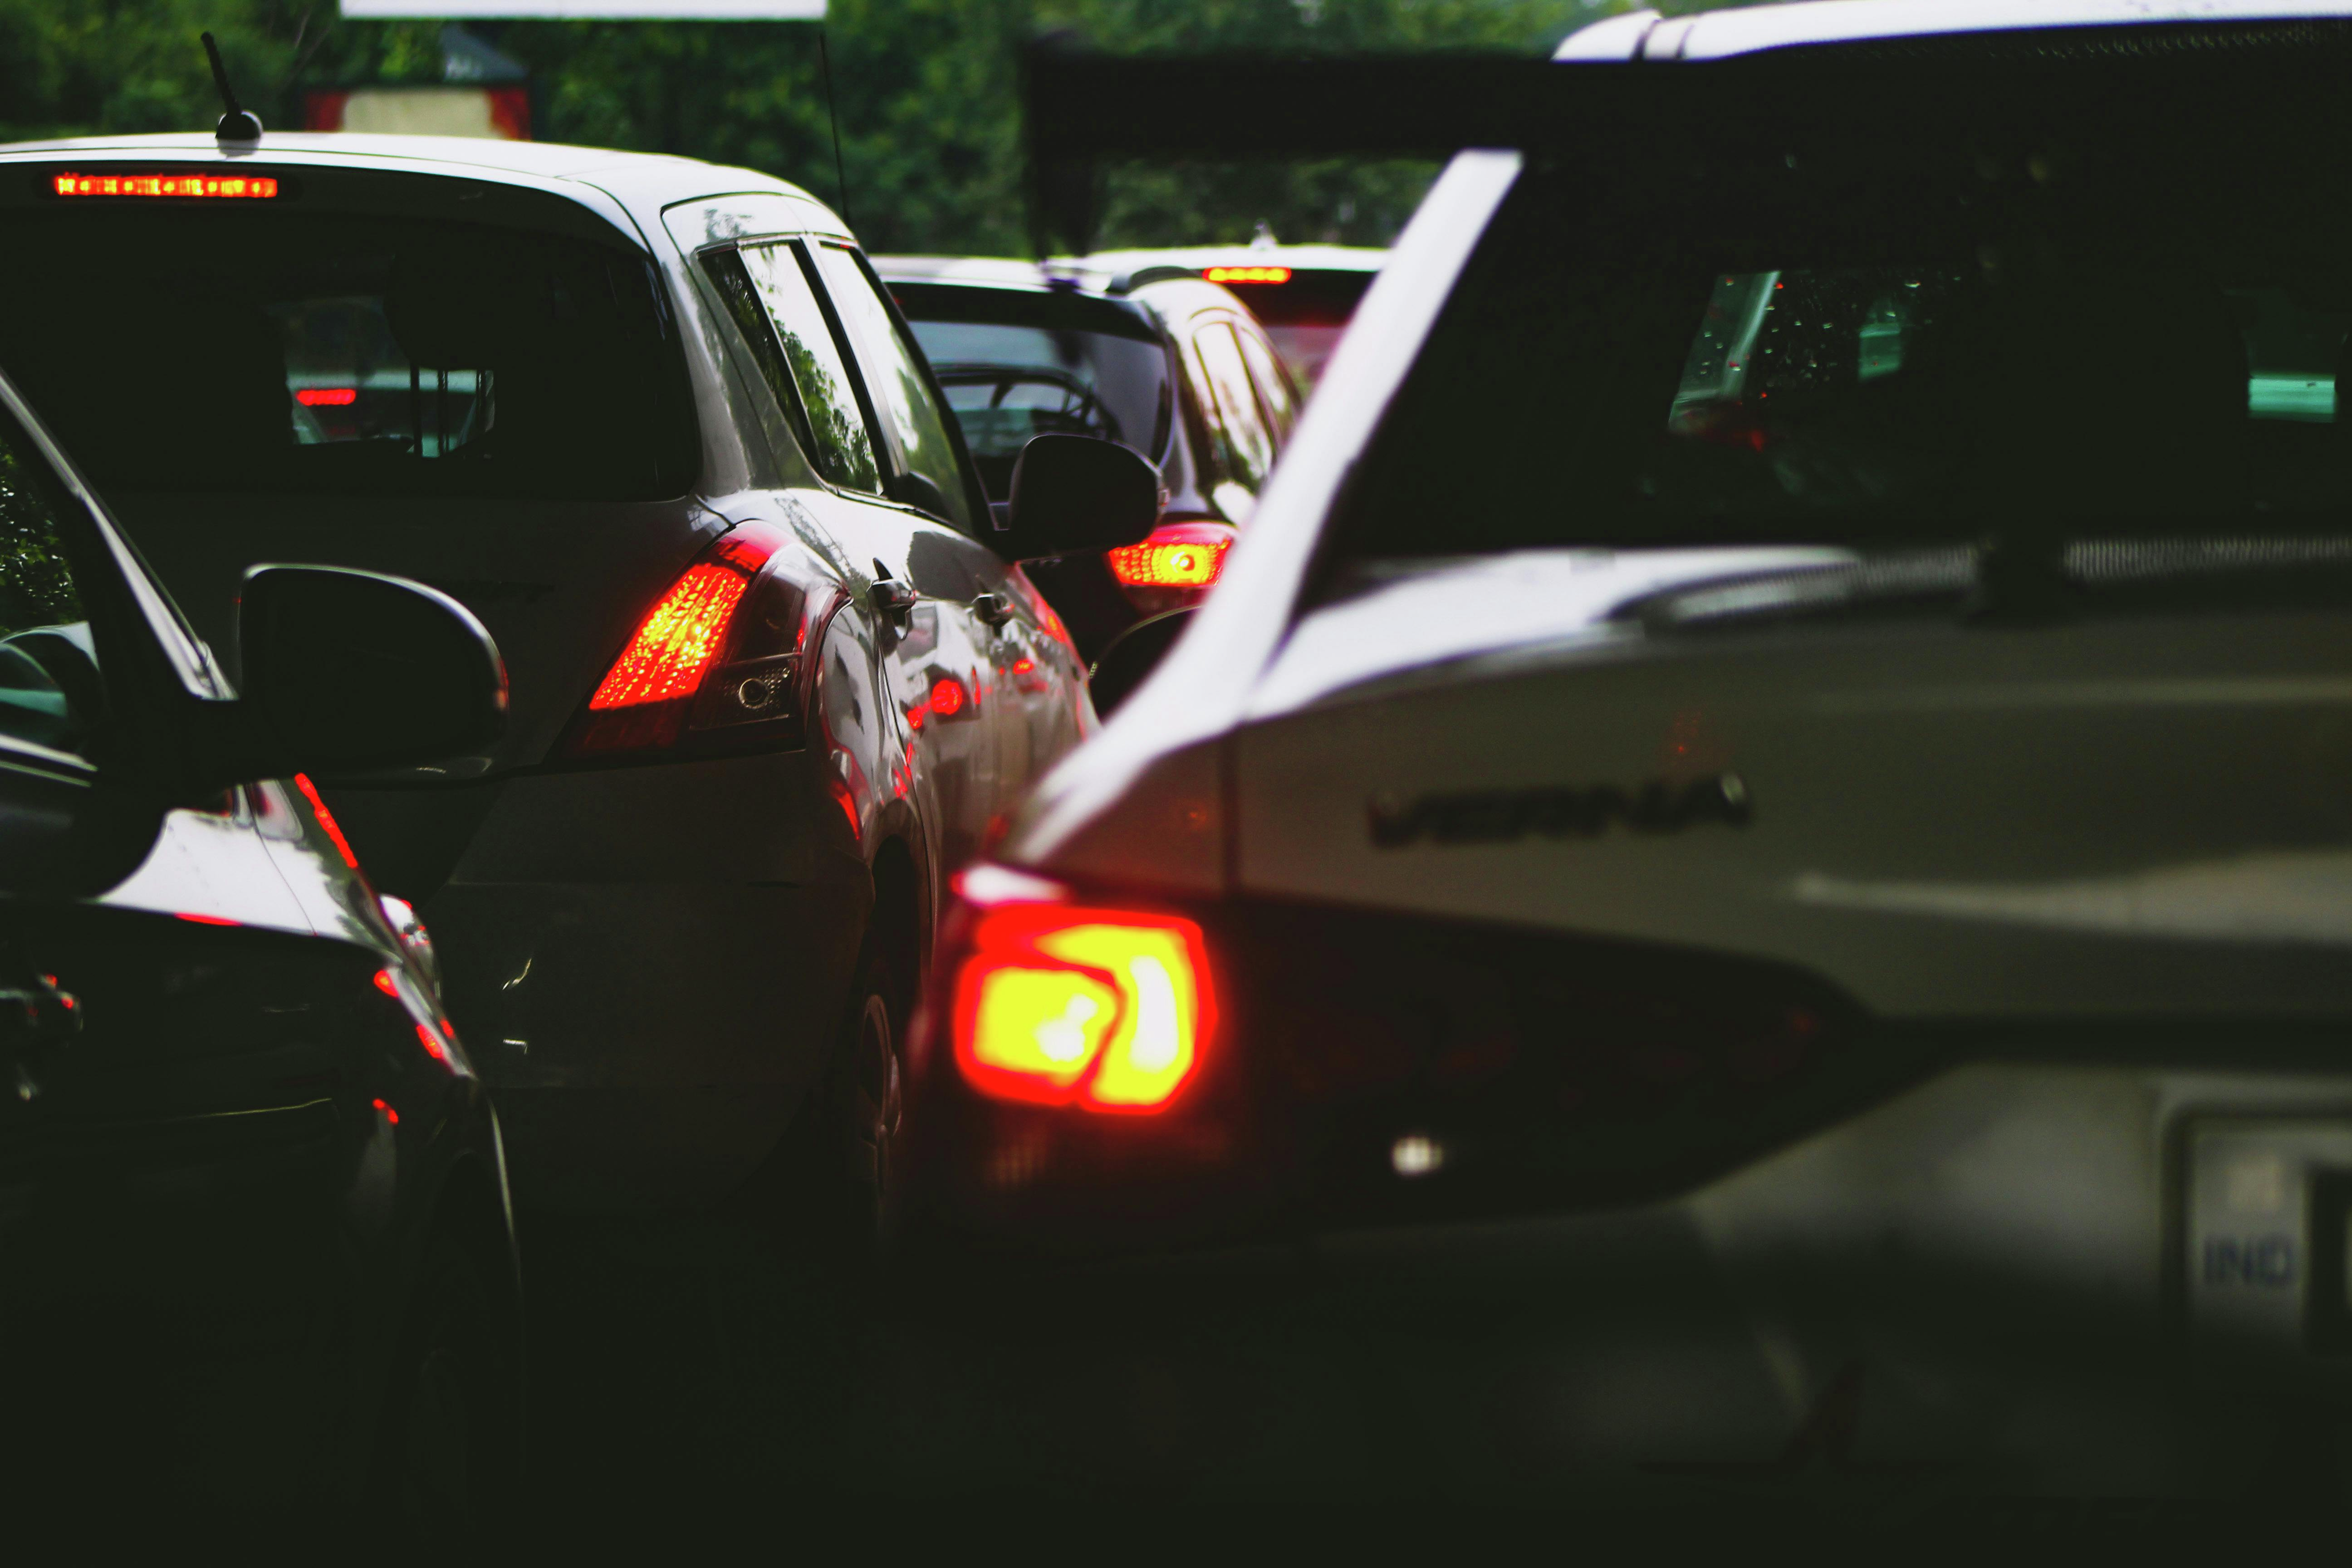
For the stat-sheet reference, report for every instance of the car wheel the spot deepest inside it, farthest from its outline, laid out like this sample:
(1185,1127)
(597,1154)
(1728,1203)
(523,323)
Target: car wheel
(447,1464)
(869,1102)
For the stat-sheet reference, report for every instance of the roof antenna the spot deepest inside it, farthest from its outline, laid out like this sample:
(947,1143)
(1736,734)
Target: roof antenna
(831,118)
(238,123)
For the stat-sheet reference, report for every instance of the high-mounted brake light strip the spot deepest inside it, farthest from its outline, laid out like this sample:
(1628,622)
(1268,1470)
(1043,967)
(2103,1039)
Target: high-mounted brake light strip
(248,187)
(1248,274)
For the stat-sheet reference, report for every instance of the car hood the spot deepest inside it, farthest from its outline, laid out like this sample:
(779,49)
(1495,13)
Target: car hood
(2126,816)
(560,585)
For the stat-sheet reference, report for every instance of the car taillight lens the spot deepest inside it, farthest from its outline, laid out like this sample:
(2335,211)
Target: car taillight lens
(1177,556)
(1058,1004)
(678,643)
(715,657)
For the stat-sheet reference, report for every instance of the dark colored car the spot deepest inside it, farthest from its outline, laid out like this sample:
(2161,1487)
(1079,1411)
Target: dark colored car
(255,1245)
(1157,360)
(776,671)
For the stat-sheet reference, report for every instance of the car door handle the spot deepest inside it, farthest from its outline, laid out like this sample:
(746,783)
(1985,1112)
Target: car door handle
(993,608)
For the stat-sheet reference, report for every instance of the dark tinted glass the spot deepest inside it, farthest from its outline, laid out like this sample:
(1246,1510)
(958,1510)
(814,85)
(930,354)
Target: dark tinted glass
(2014,332)
(49,687)
(1014,364)
(896,380)
(777,308)
(180,350)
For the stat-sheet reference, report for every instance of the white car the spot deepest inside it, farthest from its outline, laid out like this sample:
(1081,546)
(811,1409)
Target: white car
(1779,751)
(775,669)
(1303,295)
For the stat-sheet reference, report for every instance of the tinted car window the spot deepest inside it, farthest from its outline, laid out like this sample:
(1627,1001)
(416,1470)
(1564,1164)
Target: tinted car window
(1273,385)
(188,351)
(49,689)
(1304,314)
(1248,445)
(804,366)
(1015,365)
(2155,348)
(895,379)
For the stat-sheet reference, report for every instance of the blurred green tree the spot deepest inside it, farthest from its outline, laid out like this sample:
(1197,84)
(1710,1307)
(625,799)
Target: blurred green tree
(929,112)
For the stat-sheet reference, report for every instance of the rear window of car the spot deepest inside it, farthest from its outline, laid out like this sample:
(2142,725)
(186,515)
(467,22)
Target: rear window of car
(1305,297)
(179,350)
(1940,335)
(1014,364)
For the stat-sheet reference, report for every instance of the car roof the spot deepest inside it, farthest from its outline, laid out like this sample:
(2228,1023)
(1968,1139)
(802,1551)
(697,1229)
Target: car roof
(1305,258)
(644,182)
(1718,35)
(1172,299)
(993,272)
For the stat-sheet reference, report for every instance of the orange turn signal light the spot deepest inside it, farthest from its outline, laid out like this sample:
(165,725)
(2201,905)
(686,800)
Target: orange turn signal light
(1108,1009)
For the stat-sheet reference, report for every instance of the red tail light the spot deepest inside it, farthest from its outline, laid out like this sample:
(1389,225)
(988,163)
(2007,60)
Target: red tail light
(678,642)
(1177,556)
(1059,1004)
(719,651)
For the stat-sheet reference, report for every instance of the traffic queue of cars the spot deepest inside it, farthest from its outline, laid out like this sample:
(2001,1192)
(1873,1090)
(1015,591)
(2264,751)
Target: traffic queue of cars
(1153,357)
(1737,766)
(1723,756)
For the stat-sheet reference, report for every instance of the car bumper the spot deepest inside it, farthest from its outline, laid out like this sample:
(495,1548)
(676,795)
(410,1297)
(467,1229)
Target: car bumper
(647,966)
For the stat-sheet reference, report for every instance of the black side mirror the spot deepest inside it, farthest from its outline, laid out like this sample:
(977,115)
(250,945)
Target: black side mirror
(918,492)
(1074,494)
(1132,655)
(349,669)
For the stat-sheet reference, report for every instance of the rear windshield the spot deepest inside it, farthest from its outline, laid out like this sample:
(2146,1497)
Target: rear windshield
(1307,296)
(187,350)
(2100,320)
(1016,364)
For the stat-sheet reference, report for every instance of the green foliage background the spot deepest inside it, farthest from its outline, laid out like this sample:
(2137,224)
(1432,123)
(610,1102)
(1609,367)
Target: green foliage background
(929,113)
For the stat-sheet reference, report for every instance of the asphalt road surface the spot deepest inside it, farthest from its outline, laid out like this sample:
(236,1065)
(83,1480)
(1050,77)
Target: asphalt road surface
(716,1372)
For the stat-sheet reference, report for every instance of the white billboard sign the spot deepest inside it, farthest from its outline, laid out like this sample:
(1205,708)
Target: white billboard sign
(590,10)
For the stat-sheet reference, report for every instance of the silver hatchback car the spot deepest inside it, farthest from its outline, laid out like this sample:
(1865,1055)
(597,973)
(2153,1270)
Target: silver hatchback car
(776,671)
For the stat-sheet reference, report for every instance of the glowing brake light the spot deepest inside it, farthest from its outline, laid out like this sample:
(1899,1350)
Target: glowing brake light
(678,641)
(947,697)
(719,651)
(1248,274)
(247,187)
(1177,556)
(1108,1009)
(327,397)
